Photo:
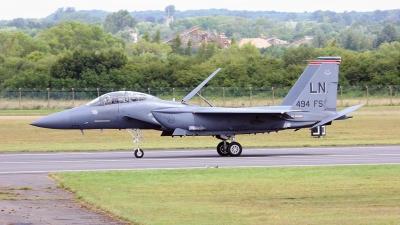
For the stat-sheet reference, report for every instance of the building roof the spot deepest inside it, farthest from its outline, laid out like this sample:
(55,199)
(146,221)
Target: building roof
(258,42)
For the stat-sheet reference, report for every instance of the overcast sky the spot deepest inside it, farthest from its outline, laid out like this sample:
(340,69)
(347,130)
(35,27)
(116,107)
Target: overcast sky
(11,9)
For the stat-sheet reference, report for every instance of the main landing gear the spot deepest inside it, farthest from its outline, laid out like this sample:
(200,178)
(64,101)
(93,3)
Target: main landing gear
(232,149)
(136,137)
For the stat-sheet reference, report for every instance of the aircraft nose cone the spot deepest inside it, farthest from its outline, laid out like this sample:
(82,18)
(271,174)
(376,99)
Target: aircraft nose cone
(59,120)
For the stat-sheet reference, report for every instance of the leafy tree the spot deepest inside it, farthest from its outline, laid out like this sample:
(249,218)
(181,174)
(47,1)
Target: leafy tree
(206,50)
(70,14)
(350,39)
(388,34)
(176,45)
(17,22)
(357,68)
(298,55)
(188,49)
(274,51)
(35,56)
(70,35)
(70,10)
(332,43)
(85,64)
(233,41)
(117,21)
(32,72)
(321,17)
(157,37)
(347,18)
(291,74)
(319,39)
(128,35)
(380,15)
(170,10)
(300,27)
(143,47)
(263,23)
(152,28)
(29,79)
(34,23)
(146,36)
(291,16)
(19,44)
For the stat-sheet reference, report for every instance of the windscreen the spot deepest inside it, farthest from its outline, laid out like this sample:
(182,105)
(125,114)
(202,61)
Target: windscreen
(120,97)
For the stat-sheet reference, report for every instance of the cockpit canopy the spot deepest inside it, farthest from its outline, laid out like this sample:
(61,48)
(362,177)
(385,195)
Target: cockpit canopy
(120,97)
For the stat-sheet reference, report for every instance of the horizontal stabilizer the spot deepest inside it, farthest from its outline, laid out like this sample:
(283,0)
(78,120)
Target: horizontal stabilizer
(337,115)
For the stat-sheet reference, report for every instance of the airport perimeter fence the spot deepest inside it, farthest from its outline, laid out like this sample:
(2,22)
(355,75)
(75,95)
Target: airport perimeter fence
(217,96)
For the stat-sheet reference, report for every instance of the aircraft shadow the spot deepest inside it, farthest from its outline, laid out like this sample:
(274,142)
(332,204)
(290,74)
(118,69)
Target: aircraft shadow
(244,155)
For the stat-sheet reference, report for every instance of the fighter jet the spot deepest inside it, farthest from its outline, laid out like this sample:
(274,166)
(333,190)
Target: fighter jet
(311,103)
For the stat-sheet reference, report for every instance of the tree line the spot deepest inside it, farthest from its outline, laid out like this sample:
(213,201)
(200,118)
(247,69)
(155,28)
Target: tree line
(75,54)
(358,31)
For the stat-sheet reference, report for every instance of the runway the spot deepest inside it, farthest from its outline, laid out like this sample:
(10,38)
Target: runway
(22,163)
(31,198)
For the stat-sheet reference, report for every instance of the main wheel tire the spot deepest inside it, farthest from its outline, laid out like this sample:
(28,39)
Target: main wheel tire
(139,153)
(221,150)
(234,149)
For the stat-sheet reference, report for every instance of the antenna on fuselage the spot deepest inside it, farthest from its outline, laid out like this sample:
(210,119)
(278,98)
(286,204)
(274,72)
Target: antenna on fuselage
(197,89)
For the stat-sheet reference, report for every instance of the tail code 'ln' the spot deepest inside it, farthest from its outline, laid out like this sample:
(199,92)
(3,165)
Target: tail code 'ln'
(316,89)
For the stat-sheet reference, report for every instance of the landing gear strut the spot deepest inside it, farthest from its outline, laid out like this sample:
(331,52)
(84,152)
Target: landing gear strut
(136,137)
(232,149)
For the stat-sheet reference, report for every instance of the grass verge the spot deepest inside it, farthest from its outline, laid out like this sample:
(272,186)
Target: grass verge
(299,195)
(38,112)
(364,129)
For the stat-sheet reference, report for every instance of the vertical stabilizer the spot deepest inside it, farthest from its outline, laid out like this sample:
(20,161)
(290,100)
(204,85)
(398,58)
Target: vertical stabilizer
(319,91)
(303,80)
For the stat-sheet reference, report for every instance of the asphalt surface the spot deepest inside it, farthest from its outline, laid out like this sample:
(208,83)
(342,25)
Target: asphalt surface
(25,163)
(27,196)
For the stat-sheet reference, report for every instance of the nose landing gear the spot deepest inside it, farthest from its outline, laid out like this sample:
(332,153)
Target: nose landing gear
(136,137)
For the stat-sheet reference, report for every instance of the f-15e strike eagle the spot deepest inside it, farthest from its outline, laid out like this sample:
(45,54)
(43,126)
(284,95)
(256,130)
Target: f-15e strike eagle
(311,103)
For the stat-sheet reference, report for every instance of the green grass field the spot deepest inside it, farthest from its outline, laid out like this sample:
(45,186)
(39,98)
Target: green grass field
(39,112)
(299,195)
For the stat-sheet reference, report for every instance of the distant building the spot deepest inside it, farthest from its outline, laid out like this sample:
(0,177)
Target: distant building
(262,42)
(199,36)
(276,41)
(305,40)
(259,42)
(222,40)
(168,19)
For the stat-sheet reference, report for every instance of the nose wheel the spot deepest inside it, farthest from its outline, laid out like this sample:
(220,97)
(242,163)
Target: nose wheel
(139,153)
(136,137)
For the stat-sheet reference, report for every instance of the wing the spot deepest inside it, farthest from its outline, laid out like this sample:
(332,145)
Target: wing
(218,110)
(243,111)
